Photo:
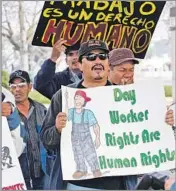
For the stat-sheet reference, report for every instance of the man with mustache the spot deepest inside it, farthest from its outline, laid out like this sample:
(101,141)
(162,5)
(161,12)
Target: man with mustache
(93,56)
(47,82)
(33,158)
(122,63)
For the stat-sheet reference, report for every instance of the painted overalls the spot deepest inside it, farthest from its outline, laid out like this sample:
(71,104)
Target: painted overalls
(82,143)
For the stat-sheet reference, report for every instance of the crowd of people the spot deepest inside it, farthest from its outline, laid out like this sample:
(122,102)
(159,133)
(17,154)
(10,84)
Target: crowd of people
(93,65)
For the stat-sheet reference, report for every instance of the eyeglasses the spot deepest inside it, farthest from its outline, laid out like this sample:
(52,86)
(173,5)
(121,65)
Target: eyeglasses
(20,85)
(92,57)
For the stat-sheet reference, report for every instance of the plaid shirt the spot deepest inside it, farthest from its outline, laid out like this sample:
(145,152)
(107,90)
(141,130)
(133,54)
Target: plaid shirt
(33,148)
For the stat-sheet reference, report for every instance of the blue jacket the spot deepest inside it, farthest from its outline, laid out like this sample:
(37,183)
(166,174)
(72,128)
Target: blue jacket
(51,140)
(47,82)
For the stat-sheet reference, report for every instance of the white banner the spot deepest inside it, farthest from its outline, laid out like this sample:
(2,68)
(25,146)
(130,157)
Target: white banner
(116,130)
(12,178)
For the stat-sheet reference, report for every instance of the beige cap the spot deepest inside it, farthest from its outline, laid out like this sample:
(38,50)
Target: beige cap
(120,55)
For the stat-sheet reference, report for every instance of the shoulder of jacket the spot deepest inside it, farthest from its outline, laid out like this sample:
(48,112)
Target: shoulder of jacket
(64,72)
(75,85)
(37,104)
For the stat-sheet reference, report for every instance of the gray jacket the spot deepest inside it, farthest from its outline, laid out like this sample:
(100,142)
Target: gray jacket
(51,140)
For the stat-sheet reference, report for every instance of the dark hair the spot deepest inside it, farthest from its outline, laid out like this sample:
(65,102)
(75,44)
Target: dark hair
(70,48)
(111,67)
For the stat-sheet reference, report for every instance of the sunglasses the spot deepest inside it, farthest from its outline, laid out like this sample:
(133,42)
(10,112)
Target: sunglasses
(92,57)
(20,85)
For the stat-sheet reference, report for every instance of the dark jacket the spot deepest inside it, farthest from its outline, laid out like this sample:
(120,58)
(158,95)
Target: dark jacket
(47,82)
(40,111)
(51,140)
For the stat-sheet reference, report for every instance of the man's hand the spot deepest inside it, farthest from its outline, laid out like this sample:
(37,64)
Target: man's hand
(97,142)
(58,47)
(6,109)
(126,81)
(169,119)
(61,121)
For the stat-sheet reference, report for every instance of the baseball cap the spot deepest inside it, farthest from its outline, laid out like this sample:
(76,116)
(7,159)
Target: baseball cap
(19,74)
(83,94)
(70,48)
(120,55)
(90,45)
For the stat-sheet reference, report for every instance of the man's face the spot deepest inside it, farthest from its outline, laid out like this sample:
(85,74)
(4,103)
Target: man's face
(95,70)
(79,102)
(72,60)
(122,74)
(20,90)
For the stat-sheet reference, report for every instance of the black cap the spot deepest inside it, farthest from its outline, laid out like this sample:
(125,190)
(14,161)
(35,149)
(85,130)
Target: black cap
(90,45)
(70,48)
(19,74)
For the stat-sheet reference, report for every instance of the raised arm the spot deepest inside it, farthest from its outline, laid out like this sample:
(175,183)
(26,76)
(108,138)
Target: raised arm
(47,82)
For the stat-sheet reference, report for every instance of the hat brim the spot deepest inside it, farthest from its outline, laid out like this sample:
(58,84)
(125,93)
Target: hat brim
(87,99)
(93,48)
(15,77)
(118,62)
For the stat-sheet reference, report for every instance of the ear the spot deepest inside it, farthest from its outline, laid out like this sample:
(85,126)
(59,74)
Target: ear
(30,87)
(66,60)
(81,66)
(108,69)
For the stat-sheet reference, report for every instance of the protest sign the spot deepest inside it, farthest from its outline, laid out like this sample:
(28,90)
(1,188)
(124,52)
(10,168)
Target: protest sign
(128,24)
(116,130)
(12,178)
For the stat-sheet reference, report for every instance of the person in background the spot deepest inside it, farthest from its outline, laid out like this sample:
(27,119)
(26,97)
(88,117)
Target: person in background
(33,158)
(47,82)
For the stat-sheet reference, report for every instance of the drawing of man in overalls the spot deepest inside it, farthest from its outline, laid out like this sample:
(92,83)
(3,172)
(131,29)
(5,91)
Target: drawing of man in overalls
(84,149)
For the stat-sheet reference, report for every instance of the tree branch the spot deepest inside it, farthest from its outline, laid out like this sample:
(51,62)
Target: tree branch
(6,29)
(27,20)
(8,23)
(13,42)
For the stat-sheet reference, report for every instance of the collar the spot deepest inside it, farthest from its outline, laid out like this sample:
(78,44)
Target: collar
(73,77)
(108,83)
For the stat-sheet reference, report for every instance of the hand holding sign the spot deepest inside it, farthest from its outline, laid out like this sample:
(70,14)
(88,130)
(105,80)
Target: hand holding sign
(60,122)
(169,117)
(57,49)
(6,109)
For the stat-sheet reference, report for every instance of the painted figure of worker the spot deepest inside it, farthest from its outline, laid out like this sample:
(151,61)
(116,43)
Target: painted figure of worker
(84,149)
